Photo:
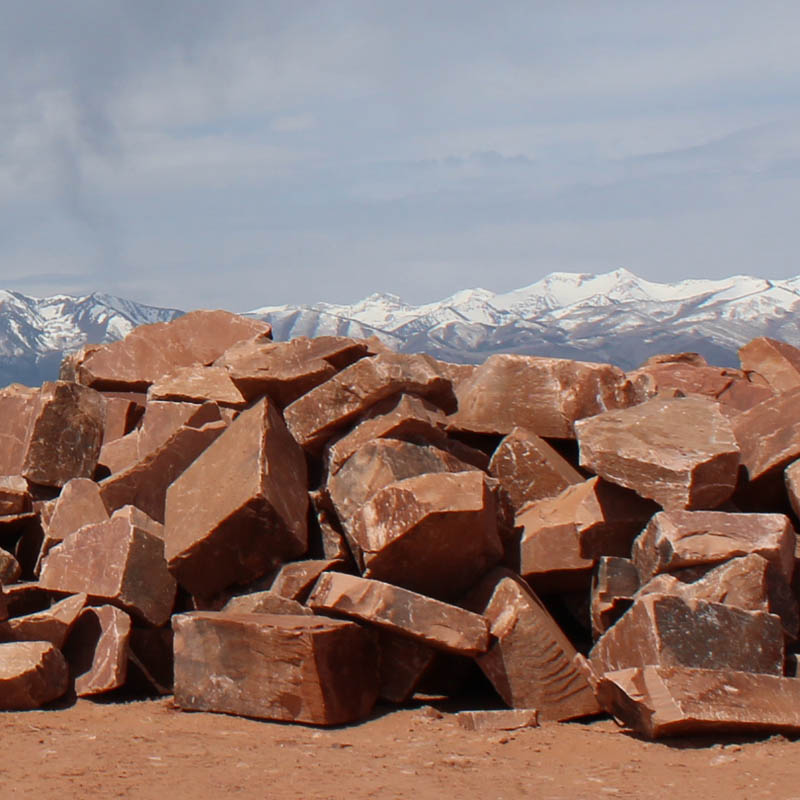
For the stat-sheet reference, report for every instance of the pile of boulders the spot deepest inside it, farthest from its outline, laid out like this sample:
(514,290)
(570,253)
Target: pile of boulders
(295,530)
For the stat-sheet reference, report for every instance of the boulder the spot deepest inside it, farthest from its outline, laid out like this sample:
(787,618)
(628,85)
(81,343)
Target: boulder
(310,669)
(152,351)
(435,534)
(662,701)
(241,507)
(97,650)
(677,539)
(318,415)
(198,384)
(51,625)
(65,434)
(440,625)
(296,579)
(669,631)
(31,674)
(777,362)
(123,411)
(531,663)
(679,452)
(18,405)
(120,561)
(614,585)
(542,395)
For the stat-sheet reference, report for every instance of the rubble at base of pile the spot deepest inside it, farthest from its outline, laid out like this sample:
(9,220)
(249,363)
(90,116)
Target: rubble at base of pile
(297,530)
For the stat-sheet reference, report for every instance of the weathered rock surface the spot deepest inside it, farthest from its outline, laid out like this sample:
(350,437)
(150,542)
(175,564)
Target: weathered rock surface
(675,701)
(241,507)
(614,585)
(512,719)
(669,631)
(530,662)
(198,384)
(435,534)
(265,602)
(51,625)
(680,452)
(310,669)
(31,674)
(120,560)
(542,395)
(18,405)
(15,497)
(296,579)
(443,626)
(777,362)
(677,539)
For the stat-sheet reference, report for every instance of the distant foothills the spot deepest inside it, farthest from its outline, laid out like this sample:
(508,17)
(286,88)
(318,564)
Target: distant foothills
(615,317)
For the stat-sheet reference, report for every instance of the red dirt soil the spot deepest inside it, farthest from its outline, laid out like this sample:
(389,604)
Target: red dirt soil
(148,749)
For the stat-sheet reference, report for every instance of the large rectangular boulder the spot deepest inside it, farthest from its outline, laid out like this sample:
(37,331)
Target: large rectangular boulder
(31,674)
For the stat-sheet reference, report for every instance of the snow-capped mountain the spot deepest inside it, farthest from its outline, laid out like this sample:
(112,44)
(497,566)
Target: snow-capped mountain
(616,317)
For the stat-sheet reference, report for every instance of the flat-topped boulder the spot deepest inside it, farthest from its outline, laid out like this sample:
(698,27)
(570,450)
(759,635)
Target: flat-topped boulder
(31,674)
(778,363)
(312,670)
(241,507)
(542,395)
(679,452)
(198,384)
(152,351)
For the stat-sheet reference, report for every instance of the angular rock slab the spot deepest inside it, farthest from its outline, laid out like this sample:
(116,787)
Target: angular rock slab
(532,664)
(151,351)
(507,719)
(240,507)
(266,602)
(440,625)
(543,395)
(120,561)
(777,362)
(15,497)
(614,585)
(675,701)
(309,669)
(51,625)
(668,631)
(31,674)
(198,384)
(296,579)
(65,434)
(677,539)
(17,408)
(679,452)
(97,650)
(435,534)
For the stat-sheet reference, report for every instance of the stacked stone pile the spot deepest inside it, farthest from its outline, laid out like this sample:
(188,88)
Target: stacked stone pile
(296,530)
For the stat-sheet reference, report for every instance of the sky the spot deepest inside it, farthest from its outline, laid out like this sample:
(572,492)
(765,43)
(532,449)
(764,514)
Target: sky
(236,154)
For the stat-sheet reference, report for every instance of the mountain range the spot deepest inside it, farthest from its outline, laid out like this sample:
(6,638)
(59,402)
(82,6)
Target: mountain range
(615,317)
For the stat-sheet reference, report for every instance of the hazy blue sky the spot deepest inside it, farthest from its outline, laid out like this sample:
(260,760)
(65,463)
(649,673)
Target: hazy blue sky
(229,153)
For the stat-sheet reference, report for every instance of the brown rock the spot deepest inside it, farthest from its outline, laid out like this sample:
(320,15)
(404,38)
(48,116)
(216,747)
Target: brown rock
(687,379)
(65,435)
(777,362)
(118,455)
(163,418)
(9,567)
(332,543)
(440,625)
(97,650)
(677,539)
(530,469)
(52,625)
(680,453)
(511,719)
(742,396)
(382,462)
(151,351)
(791,478)
(18,406)
(674,701)
(266,602)
(14,495)
(241,507)
(310,669)
(318,415)
(123,411)
(614,584)
(434,534)
(120,560)
(563,536)
(286,371)
(296,579)
(530,662)
(26,597)
(668,631)
(198,384)
(403,662)
(542,395)
(405,417)
(31,674)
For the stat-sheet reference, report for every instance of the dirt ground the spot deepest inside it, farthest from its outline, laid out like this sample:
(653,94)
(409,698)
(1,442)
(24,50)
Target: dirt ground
(148,749)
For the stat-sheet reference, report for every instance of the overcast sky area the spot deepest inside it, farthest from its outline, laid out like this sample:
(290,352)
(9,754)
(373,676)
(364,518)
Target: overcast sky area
(238,154)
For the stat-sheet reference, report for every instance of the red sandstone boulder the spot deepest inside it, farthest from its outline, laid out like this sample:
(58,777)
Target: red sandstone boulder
(152,351)
(661,701)
(440,625)
(120,560)
(542,395)
(241,507)
(435,534)
(18,406)
(680,453)
(197,384)
(677,539)
(31,674)
(123,411)
(310,669)
(777,362)
(667,631)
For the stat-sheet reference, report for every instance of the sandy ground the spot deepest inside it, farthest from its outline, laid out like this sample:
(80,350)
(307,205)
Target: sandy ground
(148,749)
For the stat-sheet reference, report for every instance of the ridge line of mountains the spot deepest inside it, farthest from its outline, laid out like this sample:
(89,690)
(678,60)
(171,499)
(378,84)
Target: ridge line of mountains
(614,317)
